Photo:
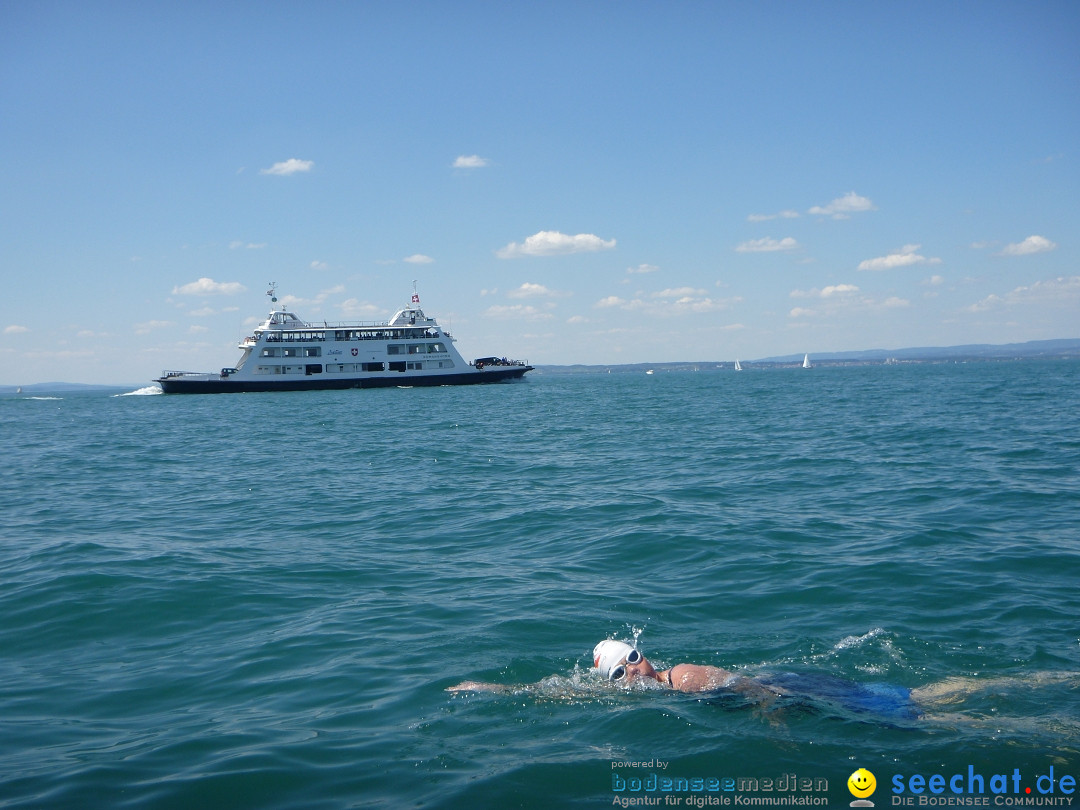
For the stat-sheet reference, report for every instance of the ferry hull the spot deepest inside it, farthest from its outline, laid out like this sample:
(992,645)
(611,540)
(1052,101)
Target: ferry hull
(320,382)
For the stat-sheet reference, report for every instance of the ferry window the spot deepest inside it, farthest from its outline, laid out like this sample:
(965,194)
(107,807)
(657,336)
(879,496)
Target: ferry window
(270,353)
(333,368)
(416,348)
(313,351)
(397,366)
(290,352)
(436,348)
(374,367)
(394,348)
(414,366)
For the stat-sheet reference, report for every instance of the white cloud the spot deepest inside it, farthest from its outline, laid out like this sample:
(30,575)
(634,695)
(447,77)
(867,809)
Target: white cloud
(894,303)
(934,281)
(679,292)
(553,243)
(767,217)
(838,289)
(827,292)
(610,301)
(354,308)
(195,329)
(669,303)
(1033,244)
(15,329)
(418,258)
(767,245)
(799,312)
(317,301)
(239,243)
(149,326)
(1063,291)
(643,268)
(290,166)
(518,312)
(317,265)
(207,286)
(902,258)
(528,290)
(471,162)
(843,207)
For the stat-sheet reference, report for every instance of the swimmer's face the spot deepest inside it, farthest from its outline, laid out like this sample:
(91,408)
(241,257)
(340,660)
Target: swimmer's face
(634,665)
(861,783)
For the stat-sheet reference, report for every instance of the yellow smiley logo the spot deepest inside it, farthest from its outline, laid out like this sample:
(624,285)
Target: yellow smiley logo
(861,783)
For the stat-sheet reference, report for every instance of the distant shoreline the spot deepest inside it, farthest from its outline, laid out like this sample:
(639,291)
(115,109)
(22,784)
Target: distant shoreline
(1060,349)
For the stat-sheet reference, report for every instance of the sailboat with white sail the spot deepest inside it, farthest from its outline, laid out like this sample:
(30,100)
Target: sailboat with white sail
(806,361)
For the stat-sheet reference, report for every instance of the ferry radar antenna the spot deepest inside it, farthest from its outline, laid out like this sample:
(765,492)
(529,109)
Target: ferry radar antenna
(271,292)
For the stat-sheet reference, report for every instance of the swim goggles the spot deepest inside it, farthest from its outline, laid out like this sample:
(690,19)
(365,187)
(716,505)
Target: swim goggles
(632,657)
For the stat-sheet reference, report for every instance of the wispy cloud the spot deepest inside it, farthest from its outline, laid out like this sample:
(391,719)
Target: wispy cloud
(1033,244)
(240,243)
(290,166)
(670,302)
(528,290)
(767,245)
(355,308)
(902,258)
(147,327)
(207,286)
(471,162)
(826,292)
(418,258)
(841,298)
(15,329)
(1063,291)
(768,217)
(844,207)
(642,268)
(523,312)
(553,243)
(312,303)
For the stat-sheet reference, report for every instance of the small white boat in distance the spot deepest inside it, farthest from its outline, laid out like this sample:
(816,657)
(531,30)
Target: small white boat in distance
(806,361)
(738,366)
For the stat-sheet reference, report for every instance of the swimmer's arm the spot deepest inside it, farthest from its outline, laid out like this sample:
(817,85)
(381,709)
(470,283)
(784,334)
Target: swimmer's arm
(751,689)
(479,686)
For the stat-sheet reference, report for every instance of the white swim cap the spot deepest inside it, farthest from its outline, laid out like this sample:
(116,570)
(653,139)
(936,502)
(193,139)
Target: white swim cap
(608,654)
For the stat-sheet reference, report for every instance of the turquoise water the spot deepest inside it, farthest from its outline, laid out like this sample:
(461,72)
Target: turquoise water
(260,600)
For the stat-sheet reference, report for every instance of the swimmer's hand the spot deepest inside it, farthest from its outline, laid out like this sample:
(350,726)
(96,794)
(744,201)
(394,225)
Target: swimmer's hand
(477,686)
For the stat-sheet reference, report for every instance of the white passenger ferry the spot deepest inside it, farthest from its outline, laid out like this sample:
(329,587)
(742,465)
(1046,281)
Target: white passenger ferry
(288,354)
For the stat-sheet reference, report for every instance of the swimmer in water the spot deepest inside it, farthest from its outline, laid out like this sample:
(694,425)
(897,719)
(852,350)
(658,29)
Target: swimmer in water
(621,663)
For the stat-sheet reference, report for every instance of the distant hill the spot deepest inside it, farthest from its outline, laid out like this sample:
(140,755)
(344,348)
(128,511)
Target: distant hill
(1032,350)
(1068,347)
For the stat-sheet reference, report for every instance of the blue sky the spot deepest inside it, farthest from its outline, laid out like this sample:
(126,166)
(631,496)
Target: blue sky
(605,182)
